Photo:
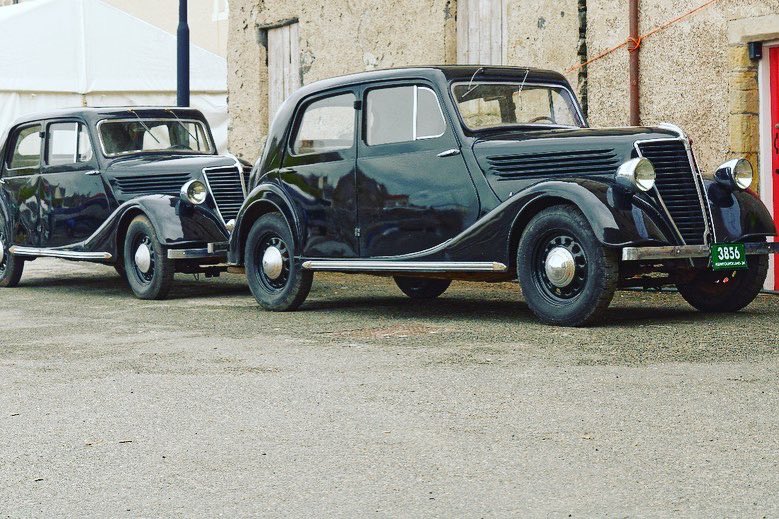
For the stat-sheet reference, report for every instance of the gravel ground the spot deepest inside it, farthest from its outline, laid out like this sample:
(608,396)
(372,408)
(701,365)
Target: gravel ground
(365,402)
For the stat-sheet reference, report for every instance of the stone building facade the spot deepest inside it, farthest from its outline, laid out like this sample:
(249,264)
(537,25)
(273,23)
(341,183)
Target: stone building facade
(696,73)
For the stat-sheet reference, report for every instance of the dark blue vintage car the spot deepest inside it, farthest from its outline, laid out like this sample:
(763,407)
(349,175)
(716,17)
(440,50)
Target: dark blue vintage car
(486,173)
(142,189)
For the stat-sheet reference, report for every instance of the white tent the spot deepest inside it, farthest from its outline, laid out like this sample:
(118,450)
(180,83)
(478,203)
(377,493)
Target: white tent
(66,53)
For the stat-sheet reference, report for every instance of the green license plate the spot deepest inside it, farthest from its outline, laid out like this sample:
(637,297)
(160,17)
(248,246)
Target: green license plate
(728,256)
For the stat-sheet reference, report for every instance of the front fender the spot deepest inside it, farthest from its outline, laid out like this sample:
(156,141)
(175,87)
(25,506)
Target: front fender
(174,222)
(737,215)
(265,198)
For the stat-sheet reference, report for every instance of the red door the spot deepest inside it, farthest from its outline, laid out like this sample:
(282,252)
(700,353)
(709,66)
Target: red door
(773,60)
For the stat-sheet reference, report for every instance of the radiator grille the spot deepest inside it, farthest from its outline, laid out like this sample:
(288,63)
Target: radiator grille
(152,184)
(227,189)
(554,164)
(676,184)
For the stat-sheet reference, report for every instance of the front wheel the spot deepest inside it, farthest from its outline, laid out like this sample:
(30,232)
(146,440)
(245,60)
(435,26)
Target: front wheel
(726,291)
(11,266)
(148,270)
(276,280)
(422,288)
(567,277)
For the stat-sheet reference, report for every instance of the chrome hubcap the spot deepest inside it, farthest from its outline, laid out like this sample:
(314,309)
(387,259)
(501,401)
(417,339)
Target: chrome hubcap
(143,258)
(272,263)
(560,267)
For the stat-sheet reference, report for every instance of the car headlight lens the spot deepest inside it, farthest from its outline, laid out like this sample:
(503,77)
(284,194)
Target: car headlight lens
(638,174)
(736,173)
(194,192)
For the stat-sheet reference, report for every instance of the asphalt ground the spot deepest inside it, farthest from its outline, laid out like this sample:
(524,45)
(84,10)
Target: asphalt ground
(367,403)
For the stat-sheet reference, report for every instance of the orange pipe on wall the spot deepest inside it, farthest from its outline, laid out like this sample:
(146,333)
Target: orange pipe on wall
(633,47)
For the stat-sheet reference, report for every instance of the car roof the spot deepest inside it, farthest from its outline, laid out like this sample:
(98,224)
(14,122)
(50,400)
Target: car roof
(450,73)
(94,114)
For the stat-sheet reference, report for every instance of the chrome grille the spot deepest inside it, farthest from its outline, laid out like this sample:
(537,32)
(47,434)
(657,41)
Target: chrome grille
(554,164)
(677,186)
(227,188)
(152,184)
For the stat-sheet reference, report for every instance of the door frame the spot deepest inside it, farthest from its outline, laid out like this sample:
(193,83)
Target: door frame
(767,177)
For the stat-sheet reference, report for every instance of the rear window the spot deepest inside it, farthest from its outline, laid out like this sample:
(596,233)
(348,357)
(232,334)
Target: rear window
(327,125)
(26,150)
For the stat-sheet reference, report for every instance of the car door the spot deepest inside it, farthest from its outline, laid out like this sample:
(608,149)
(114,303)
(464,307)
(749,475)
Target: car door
(413,188)
(20,183)
(318,173)
(73,199)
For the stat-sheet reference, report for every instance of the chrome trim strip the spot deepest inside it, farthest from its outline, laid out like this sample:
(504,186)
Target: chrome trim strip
(36,252)
(240,172)
(404,266)
(697,180)
(689,251)
(208,252)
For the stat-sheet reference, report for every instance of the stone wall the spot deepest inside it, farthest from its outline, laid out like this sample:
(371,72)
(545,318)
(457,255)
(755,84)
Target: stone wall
(691,74)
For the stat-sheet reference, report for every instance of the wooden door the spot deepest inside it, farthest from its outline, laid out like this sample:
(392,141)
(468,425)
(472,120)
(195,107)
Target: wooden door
(773,184)
(283,66)
(481,32)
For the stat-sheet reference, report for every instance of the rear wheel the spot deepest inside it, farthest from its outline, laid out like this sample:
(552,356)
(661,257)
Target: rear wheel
(422,288)
(149,272)
(567,277)
(276,280)
(11,267)
(726,291)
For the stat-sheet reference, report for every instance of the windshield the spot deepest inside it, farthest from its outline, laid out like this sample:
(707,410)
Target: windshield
(493,105)
(126,136)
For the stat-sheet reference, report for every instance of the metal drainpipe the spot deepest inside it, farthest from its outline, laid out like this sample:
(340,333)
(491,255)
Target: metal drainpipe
(182,63)
(635,107)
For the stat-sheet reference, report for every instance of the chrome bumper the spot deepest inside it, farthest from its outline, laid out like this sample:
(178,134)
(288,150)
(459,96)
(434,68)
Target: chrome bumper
(689,251)
(213,250)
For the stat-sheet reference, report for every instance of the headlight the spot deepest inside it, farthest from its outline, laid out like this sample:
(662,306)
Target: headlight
(736,173)
(194,192)
(636,174)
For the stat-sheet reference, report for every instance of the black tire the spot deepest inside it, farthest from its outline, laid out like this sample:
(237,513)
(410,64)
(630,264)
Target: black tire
(291,284)
(726,291)
(422,288)
(591,280)
(155,283)
(11,267)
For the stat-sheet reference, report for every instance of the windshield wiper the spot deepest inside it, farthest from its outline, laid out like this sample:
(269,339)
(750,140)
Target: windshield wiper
(143,124)
(467,93)
(171,112)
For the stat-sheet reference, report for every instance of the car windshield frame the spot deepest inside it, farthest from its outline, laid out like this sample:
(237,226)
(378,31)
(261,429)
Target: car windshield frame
(145,121)
(562,89)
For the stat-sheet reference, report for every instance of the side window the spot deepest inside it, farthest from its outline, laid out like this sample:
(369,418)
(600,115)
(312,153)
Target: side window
(68,143)
(403,114)
(327,125)
(26,150)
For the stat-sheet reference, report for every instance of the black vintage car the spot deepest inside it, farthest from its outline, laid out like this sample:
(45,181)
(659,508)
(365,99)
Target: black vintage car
(142,189)
(485,173)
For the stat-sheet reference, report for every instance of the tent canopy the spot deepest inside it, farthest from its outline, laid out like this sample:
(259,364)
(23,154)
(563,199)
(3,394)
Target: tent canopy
(87,46)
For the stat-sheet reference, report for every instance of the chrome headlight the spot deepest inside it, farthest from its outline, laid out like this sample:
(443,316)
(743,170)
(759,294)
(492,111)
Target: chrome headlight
(636,174)
(736,173)
(194,192)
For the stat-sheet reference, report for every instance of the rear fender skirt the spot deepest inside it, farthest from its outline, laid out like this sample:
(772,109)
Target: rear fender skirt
(737,215)
(266,197)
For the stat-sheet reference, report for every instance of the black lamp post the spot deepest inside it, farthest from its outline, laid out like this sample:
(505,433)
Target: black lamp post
(182,62)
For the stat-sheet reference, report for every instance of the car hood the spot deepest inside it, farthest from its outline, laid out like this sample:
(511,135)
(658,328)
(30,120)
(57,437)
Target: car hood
(512,160)
(169,164)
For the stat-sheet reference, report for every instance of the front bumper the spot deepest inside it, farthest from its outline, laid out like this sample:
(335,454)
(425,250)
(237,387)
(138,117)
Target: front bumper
(689,251)
(211,251)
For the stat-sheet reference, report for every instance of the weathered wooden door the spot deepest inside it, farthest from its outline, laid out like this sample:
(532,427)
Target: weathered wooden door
(283,65)
(481,32)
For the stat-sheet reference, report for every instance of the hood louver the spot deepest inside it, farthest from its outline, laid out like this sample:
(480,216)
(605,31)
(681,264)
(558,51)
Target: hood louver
(554,164)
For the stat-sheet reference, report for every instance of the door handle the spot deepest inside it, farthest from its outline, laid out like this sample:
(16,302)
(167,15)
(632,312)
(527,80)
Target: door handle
(449,153)
(92,173)
(2,181)
(283,171)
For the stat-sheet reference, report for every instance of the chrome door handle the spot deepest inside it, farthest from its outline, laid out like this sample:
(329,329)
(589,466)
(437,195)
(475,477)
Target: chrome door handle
(449,153)
(92,173)
(2,181)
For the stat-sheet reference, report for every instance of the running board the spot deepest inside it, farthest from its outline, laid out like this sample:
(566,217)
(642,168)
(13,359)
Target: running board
(34,252)
(404,266)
